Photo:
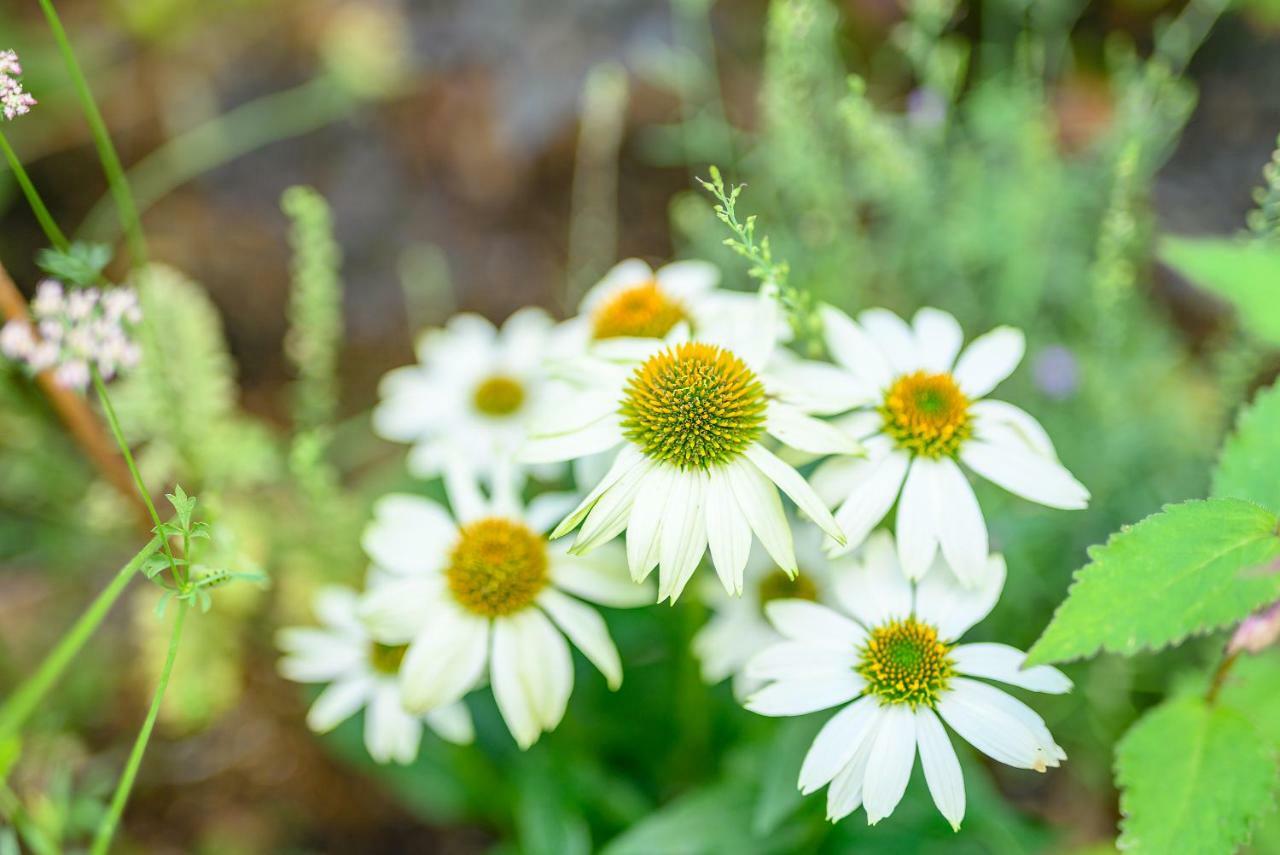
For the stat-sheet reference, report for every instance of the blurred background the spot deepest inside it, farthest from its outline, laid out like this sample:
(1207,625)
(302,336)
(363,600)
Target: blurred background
(1009,161)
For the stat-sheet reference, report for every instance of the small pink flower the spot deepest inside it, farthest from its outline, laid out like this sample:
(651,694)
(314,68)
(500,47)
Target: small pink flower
(14,101)
(1257,632)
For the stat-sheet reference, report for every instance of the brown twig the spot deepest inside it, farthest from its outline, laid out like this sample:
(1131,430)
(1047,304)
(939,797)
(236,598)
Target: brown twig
(1220,676)
(75,413)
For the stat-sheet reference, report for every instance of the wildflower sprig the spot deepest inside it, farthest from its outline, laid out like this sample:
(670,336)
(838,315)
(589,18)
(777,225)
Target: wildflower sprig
(772,273)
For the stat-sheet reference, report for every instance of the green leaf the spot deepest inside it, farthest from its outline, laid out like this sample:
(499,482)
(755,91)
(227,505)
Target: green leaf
(779,793)
(1193,779)
(1180,572)
(707,821)
(1246,274)
(545,822)
(81,264)
(1252,688)
(1249,467)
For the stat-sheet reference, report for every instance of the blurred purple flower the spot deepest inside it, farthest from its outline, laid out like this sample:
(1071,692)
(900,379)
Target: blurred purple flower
(926,108)
(1056,371)
(1257,632)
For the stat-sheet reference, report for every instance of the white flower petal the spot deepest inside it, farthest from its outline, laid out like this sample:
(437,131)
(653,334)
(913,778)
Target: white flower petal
(816,387)
(463,488)
(445,661)
(938,339)
(609,516)
(337,703)
(531,673)
(989,359)
(793,428)
(758,500)
(853,349)
(587,630)
(643,527)
(999,725)
(962,532)
(547,509)
(728,533)
(797,660)
(600,577)
(876,486)
(953,608)
(874,590)
(624,274)
(316,655)
(889,764)
(452,723)
(837,742)
(894,338)
(990,418)
(335,606)
(629,457)
(409,535)
(1004,663)
(941,767)
(845,793)
(1025,473)
(683,538)
(800,697)
(796,488)
(390,733)
(687,280)
(918,518)
(601,435)
(801,620)
(405,411)
(509,687)
(396,611)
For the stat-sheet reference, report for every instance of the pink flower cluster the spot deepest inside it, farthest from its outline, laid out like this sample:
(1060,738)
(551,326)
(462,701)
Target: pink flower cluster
(73,332)
(14,101)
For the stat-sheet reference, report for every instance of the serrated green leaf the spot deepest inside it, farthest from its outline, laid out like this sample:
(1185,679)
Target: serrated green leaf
(1252,688)
(1193,779)
(1246,274)
(1177,573)
(1249,467)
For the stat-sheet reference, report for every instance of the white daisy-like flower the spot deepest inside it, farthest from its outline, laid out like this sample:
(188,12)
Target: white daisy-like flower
(688,421)
(472,394)
(922,412)
(362,674)
(897,659)
(480,590)
(737,629)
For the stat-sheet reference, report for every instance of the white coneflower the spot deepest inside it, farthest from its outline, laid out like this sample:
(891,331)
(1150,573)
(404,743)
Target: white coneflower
(481,590)
(738,629)
(896,658)
(14,101)
(691,471)
(362,674)
(922,412)
(73,333)
(473,393)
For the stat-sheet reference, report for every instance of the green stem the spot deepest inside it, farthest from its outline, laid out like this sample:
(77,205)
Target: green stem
(114,422)
(107,828)
(51,230)
(101,140)
(271,118)
(16,710)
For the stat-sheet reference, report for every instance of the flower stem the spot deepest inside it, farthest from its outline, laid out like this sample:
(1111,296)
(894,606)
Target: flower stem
(101,140)
(51,230)
(1220,676)
(107,828)
(114,422)
(20,705)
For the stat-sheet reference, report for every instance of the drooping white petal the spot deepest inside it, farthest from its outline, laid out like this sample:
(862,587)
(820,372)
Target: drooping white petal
(728,533)
(799,697)
(962,532)
(316,655)
(390,733)
(397,611)
(510,689)
(816,387)
(409,535)
(683,538)
(797,660)
(918,518)
(874,590)
(991,417)
(952,607)
(547,665)
(845,793)
(1004,663)
(609,516)
(644,525)
(629,457)
(938,339)
(759,503)
(797,489)
(1025,473)
(586,629)
(445,660)
(999,725)
(854,350)
(889,764)
(600,577)
(876,483)
(989,359)
(335,606)
(338,702)
(836,743)
(941,767)
(793,428)
(452,723)
(894,338)
(601,435)
(801,620)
